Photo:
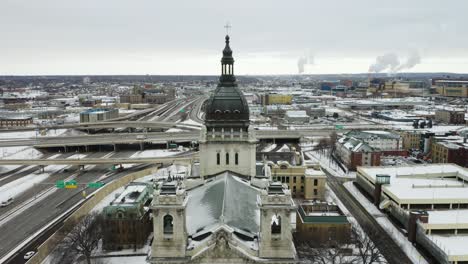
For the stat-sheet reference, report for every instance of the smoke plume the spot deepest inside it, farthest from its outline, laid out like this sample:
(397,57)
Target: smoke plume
(391,62)
(387,61)
(412,60)
(303,61)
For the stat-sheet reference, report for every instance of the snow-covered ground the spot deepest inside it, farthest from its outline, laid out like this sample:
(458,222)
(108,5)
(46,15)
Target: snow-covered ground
(123,260)
(155,153)
(30,134)
(19,186)
(191,122)
(171,130)
(17,153)
(325,162)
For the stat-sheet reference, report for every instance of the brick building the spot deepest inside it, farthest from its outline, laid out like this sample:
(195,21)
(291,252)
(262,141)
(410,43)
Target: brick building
(454,117)
(127,223)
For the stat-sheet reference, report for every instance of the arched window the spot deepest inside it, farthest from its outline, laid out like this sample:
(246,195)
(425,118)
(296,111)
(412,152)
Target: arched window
(227,111)
(168,225)
(236,111)
(283,167)
(227,158)
(236,158)
(218,111)
(276,224)
(218,158)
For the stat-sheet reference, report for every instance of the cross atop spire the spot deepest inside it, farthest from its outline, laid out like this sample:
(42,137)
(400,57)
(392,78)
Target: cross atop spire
(227,27)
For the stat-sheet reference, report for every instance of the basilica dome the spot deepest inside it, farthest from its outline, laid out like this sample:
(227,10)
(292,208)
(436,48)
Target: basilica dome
(227,106)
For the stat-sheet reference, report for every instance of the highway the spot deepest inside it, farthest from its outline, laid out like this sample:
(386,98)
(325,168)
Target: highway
(39,205)
(27,214)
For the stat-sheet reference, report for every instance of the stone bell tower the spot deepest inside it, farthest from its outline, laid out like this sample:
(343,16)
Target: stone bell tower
(227,141)
(170,234)
(276,206)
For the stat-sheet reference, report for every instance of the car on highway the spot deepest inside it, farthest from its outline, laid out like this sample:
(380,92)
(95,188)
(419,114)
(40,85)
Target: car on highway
(29,255)
(6,202)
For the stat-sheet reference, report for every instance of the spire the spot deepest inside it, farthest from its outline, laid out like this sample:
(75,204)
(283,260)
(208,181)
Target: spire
(227,66)
(227,52)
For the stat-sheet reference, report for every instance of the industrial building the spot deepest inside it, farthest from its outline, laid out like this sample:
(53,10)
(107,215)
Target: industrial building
(452,88)
(454,117)
(19,121)
(272,99)
(430,201)
(99,114)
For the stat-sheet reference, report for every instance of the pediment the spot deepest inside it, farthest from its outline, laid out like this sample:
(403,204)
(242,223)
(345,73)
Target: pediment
(221,250)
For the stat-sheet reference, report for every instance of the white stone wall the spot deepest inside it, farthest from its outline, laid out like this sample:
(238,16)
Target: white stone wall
(169,246)
(208,157)
(275,245)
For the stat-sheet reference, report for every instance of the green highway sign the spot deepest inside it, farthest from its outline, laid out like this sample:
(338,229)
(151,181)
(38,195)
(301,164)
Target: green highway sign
(71,184)
(339,126)
(60,184)
(95,184)
(66,185)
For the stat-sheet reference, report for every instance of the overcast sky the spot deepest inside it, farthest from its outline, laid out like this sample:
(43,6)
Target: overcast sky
(267,36)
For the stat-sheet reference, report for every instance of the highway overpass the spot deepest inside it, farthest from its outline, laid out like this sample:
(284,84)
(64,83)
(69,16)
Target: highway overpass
(109,125)
(97,161)
(165,137)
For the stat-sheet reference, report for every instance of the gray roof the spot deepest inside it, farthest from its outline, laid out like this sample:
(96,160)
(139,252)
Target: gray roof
(226,199)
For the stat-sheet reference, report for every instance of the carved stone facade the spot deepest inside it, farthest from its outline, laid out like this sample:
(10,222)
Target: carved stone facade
(170,235)
(275,229)
(222,241)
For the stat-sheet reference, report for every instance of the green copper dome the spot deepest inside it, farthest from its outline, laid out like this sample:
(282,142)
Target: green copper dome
(227,106)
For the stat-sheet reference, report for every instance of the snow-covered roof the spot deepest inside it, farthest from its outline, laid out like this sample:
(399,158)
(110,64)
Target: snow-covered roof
(422,184)
(131,194)
(454,216)
(314,172)
(296,113)
(225,199)
(454,246)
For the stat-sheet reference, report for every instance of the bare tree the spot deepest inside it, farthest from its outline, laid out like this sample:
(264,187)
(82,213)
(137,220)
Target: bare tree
(83,237)
(322,145)
(368,252)
(330,253)
(333,140)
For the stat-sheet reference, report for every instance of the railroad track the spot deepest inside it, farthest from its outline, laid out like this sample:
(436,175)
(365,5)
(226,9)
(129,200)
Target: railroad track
(385,243)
